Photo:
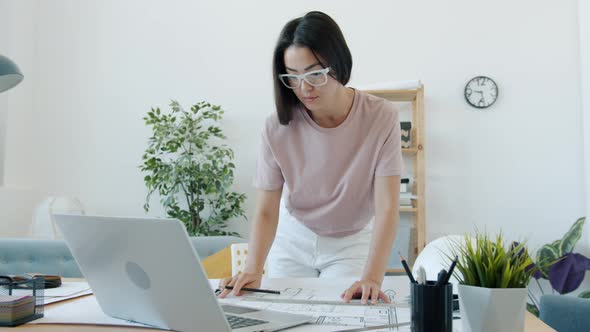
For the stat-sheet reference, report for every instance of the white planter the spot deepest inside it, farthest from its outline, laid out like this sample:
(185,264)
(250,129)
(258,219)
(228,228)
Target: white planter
(492,309)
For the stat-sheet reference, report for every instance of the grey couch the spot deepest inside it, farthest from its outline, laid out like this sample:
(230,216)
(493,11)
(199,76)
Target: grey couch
(53,257)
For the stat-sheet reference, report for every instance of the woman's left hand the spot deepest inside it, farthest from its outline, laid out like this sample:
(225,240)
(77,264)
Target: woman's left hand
(365,289)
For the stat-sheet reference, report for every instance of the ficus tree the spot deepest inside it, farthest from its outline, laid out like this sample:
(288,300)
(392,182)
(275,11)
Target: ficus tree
(191,170)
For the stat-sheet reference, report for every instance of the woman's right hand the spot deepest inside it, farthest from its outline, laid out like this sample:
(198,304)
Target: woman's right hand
(244,279)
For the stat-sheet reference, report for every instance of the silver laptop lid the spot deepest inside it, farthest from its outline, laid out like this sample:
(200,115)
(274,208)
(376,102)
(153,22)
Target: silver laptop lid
(128,263)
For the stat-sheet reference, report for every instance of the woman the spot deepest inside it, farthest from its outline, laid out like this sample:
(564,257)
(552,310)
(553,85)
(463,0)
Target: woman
(328,170)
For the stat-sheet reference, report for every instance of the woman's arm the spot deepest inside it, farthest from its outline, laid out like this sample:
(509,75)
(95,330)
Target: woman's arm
(384,228)
(262,234)
(263,230)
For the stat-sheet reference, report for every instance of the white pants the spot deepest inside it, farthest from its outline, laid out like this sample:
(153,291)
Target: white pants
(298,252)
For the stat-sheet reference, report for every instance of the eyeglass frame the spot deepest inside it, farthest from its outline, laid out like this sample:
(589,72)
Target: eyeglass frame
(303,77)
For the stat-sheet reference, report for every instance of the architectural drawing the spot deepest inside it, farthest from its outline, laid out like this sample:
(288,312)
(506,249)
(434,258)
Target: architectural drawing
(327,309)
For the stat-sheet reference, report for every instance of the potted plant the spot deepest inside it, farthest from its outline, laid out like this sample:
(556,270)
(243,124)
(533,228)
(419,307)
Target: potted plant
(190,170)
(564,269)
(492,283)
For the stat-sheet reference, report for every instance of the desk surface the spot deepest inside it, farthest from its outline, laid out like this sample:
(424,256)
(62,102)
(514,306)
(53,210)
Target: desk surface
(532,323)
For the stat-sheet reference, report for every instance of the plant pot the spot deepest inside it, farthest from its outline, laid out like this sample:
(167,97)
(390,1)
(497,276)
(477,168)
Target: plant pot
(492,309)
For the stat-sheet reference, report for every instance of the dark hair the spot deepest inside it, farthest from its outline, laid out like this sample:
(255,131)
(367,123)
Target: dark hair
(318,32)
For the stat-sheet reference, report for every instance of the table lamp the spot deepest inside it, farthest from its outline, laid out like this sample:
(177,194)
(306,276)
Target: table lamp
(10,75)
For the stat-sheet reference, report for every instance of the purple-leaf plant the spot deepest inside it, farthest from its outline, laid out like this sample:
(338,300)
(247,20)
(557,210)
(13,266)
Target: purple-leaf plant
(558,263)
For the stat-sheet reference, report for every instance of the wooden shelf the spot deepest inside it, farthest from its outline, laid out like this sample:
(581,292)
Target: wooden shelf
(407,209)
(416,153)
(396,95)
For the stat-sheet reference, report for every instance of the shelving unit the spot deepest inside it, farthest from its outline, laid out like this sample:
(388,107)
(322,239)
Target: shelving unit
(416,152)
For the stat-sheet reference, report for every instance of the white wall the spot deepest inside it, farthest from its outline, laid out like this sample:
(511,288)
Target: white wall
(100,65)
(584,22)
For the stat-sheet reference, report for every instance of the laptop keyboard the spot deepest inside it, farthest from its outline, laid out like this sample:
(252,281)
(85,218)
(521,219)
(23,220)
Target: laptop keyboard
(237,322)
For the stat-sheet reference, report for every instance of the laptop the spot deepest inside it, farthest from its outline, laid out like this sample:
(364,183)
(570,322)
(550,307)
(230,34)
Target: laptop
(147,271)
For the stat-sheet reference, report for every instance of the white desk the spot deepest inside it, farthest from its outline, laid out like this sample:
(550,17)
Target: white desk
(532,323)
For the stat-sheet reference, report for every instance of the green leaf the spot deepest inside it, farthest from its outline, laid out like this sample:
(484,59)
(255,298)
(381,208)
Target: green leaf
(488,262)
(545,256)
(570,238)
(584,295)
(532,309)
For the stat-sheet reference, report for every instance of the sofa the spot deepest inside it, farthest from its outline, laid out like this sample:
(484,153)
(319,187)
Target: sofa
(52,257)
(565,313)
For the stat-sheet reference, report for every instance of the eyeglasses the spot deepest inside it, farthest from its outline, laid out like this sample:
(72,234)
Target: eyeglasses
(313,78)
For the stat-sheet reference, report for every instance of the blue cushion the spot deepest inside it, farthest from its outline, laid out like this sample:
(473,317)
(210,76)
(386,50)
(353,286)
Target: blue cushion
(565,313)
(18,256)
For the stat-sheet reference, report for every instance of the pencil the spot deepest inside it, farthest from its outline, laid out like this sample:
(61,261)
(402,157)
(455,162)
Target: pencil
(257,290)
(408,272)
(450,273)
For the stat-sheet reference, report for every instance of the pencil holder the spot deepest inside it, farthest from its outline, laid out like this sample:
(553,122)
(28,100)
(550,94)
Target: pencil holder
(432,307)
(21,301)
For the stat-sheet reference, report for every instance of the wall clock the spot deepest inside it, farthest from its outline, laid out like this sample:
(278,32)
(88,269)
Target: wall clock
(481,92)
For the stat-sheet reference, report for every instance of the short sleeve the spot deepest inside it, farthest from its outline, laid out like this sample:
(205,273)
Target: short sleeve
(389,161)
(268,173)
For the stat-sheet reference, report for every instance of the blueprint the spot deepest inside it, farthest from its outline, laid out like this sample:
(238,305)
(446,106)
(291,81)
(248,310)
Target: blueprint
(328,309)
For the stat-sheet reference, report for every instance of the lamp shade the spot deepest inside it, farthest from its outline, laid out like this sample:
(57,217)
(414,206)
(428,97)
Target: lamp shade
(10,75)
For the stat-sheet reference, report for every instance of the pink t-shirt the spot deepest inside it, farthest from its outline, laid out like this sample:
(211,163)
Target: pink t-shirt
(329,173)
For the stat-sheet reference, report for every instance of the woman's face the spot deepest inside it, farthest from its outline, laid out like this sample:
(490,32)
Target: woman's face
(300,60)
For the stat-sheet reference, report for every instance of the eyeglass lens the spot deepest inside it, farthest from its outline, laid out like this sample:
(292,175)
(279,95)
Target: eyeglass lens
(313,78)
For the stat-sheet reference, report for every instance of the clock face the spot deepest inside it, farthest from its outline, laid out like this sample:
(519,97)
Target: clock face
(481,92)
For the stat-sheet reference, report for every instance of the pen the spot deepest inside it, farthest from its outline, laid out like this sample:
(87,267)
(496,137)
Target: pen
(257,290)
(440,279)
(450,273)
(405,265)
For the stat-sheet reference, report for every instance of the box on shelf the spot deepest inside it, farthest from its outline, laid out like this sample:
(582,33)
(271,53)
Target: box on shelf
(406,128)
(403,187)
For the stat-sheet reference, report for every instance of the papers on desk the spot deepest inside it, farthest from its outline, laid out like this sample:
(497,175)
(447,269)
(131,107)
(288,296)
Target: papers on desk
(313,296)
(67,290)
(326,306)
(84,310)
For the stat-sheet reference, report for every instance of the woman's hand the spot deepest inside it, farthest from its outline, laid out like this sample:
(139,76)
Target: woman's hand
(365,289)
(244,279)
